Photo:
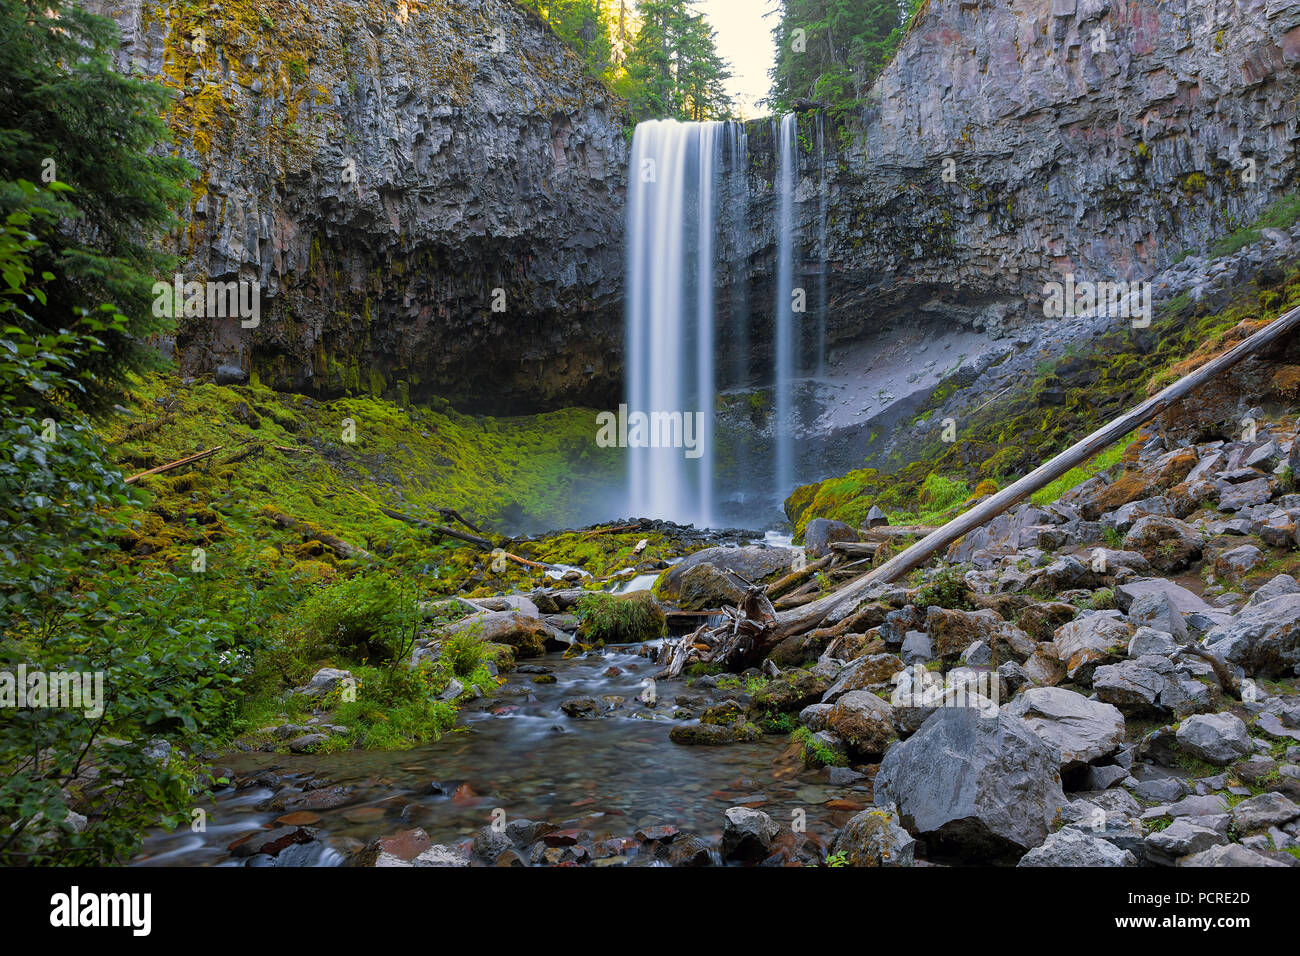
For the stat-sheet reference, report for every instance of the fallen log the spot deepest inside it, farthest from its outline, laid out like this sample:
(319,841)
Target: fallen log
(1231,686)
(886,532)
(436,529)
(856,549)
(315,533)
(801,619)
(189,460)
(797,577)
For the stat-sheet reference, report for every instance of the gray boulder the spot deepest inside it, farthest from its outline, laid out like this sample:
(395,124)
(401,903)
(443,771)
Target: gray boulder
(1082,730)
(1264,638)
(1179,839)
(1231,854)
(1072,847)
(747,834)
(987,786)
(1217,738)
(1264,811)
(821,532)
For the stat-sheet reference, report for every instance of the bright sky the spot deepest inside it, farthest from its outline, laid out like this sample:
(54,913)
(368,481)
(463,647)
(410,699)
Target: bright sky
(745,41)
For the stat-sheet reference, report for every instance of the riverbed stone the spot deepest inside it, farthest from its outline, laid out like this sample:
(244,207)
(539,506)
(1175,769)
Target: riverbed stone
(747,834)
(864,722)
(874,838)
(820,533)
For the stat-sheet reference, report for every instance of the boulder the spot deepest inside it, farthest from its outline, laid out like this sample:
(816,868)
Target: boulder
(1231,854)
(1149,685)
(1082,730)
(1071,847)
(530,636)
(1167,543)
(1238,562)
(874,838)
(705,587)
(1087,641)
(325,680)
(792,691)
(1217,738)
(1264,811)
(820,532)
(1179,839)
(747,834)
(864,722)
(1156,609)
(987,786)
(1040,621)
(754,563)
(953,631)
(1263,638)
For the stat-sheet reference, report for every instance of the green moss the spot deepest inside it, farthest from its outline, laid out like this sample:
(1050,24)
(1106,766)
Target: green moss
(620,619)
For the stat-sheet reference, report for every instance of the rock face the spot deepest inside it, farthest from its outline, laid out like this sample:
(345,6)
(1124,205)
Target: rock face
(431,197)
(384,171)
(982,785)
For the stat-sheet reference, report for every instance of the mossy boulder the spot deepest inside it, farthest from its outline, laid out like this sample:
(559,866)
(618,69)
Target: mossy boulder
(528,636)
(790,692)
(753,563)
(705,587)
(714,734)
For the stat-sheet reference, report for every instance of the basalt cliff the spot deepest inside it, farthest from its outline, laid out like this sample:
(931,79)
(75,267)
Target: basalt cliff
(434,205)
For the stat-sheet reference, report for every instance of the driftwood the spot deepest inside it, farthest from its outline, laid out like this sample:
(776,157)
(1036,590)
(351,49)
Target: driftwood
(798,620)
(856,549)
(1231,686)
(736,643)
(335,544)
(189,460)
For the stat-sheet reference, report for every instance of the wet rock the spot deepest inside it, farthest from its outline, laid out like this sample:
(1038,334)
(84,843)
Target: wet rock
(747,834)
(1082,730)
(712,734)
(984,785)
(271,842)
(686,850)
(581,707)
(440,855)
(1072,847)
(1217,738)
(814,716)
(875,838)
(490,842)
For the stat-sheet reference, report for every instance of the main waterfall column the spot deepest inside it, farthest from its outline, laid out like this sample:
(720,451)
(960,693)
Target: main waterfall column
(670,322)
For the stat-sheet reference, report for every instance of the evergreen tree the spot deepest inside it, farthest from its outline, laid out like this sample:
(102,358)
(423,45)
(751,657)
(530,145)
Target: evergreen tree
(673,66)
(86,135)
(843,46)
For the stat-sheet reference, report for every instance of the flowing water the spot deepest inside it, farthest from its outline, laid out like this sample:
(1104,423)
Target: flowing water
(687,182)
(520,753)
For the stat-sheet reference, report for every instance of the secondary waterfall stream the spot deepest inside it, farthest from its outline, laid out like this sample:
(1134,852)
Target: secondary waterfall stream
(686,182)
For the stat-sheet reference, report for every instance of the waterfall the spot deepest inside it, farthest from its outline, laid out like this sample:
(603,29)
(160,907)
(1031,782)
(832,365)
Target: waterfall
(682,215)
(670,322)
(822,304)
(786,176)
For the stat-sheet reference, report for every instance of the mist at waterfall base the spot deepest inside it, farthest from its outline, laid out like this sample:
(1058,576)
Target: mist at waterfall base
(693,323)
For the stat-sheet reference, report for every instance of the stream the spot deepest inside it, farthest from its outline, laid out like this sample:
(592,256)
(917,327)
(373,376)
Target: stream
(614,774)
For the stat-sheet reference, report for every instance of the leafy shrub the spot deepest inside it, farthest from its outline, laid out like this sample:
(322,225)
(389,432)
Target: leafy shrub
(947,589)
(369,616)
